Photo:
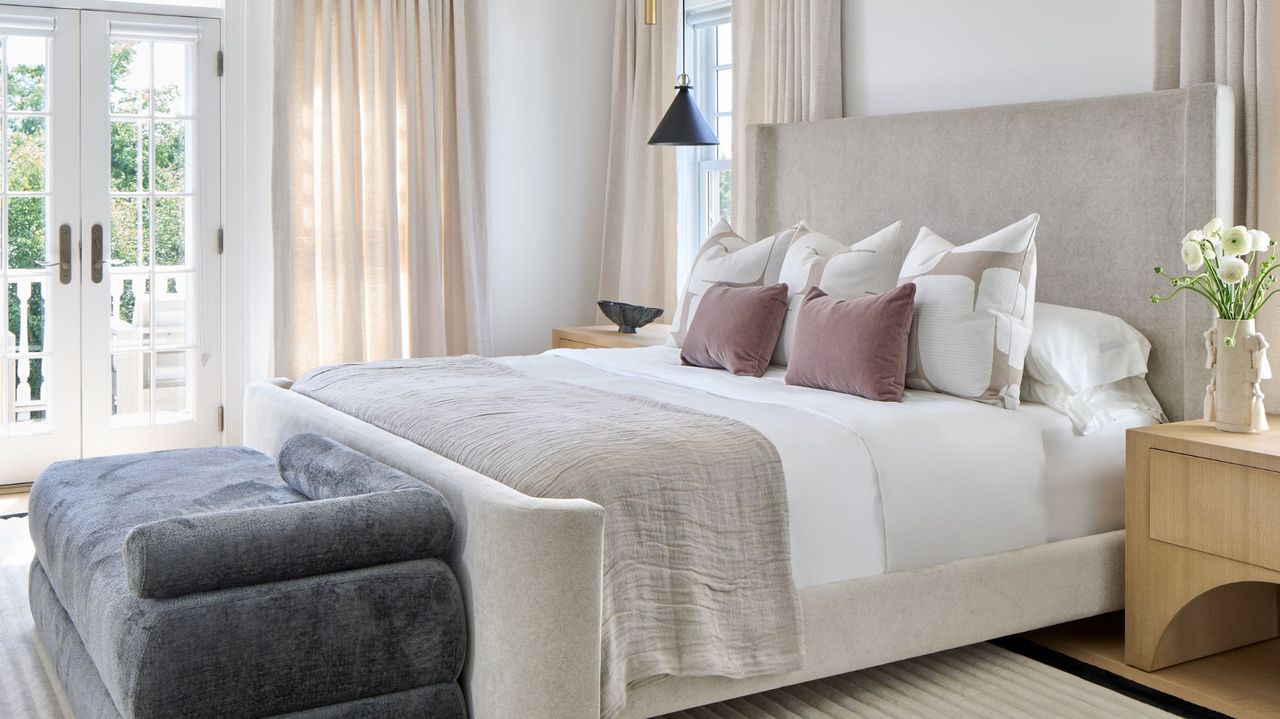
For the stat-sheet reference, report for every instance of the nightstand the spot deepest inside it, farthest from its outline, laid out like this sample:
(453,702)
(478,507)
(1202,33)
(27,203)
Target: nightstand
(1202,541)
(601,336)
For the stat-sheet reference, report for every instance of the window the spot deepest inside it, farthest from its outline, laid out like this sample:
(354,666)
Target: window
(704,182)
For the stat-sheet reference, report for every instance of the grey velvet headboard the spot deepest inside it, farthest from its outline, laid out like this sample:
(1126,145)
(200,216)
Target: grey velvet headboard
(1117,182)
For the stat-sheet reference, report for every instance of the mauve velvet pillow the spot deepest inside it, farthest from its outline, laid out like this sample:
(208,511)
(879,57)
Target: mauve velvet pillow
(856,346)
(736,328)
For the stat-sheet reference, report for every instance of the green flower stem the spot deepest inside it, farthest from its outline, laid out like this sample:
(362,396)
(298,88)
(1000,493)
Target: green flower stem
(1264,300)
(1213,294)
(1197,290)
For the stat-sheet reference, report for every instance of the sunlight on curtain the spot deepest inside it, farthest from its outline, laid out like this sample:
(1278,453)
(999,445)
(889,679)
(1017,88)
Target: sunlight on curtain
(377,183)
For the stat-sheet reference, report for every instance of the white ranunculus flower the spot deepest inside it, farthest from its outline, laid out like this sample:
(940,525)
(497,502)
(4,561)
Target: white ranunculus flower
(1261,240)
(1194,236)
(1236,241)
(1214,226)
(1192,255)
(1232,270)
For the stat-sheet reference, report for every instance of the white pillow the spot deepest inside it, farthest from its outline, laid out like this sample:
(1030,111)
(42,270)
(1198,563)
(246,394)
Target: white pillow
(869,267)
(726,257)
(1096,407)
(973,315)
(1080,349)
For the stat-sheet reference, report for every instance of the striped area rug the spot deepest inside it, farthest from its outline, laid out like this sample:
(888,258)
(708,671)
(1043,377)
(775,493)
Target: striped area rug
(978,682)
(25,690)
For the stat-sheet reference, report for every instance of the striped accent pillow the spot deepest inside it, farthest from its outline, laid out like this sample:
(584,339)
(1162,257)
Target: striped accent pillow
(869,267)
(726,258)
(972,323)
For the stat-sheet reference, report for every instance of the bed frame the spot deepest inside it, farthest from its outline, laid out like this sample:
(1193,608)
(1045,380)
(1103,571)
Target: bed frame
(1117,182)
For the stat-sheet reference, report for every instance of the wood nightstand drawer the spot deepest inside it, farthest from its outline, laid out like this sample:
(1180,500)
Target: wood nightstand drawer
(565,344)
(1228,510)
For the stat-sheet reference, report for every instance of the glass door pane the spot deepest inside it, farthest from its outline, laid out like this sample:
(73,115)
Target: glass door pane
(151,183)
(152,126)
(39,343)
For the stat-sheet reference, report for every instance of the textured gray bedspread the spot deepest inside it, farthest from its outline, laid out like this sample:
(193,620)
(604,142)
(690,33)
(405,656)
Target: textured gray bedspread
(697,575)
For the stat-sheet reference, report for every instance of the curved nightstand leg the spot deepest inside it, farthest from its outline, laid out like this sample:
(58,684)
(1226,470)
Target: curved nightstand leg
(1161,631)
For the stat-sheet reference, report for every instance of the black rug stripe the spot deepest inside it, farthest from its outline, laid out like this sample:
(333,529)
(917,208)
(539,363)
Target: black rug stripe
(1104,678)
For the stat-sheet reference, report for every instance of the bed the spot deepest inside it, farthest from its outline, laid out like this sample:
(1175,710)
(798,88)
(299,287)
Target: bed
(896,552)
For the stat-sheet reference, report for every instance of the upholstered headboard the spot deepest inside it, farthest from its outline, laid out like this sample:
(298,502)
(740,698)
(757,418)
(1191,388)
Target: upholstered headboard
(1117,182)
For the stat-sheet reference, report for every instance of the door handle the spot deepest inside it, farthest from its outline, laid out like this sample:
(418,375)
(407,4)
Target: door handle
(95,252)
(64,255)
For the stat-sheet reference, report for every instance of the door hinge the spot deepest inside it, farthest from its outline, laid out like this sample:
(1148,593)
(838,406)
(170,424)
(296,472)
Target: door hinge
(219,63)
(222,419)
(220,241)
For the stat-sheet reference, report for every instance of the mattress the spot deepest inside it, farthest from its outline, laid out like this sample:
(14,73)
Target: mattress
(1084,474)
(875,487)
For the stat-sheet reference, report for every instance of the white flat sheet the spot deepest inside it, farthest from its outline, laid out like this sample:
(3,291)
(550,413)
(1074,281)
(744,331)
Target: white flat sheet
(872,486)
(1085,481)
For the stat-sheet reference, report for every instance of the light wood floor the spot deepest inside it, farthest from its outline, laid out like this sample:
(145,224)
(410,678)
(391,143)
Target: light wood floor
(13,503)
(1243,682)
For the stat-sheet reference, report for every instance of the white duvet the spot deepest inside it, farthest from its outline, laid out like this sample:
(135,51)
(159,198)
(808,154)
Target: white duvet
(872,486)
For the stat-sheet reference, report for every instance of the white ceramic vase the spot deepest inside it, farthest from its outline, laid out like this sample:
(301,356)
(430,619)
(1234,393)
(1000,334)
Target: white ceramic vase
(1233,399)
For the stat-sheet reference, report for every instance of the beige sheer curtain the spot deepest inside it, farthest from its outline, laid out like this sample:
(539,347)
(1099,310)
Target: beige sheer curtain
(638,259)
(787,67)
(1236,43)
(377,181)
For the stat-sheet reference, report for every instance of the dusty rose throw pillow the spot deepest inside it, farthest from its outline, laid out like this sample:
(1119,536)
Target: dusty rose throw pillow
(736,328)
(856,346)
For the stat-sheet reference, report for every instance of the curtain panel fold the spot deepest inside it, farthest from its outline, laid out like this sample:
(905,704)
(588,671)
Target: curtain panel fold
(787,67)
(638,256)
(1235,43)
(377,182)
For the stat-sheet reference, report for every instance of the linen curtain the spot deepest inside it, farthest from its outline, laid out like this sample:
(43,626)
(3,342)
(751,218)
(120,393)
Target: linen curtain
(787,64)
(1235,43)
(638,257)
(377,182)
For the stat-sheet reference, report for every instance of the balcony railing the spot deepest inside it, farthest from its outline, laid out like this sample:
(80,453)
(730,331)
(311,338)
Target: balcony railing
(27,401)
(137,378)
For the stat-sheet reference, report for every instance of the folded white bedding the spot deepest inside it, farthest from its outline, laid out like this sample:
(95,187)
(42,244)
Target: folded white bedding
(872,486)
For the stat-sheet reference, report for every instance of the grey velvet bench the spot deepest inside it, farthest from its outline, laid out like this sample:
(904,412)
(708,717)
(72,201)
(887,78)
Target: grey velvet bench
(209,583)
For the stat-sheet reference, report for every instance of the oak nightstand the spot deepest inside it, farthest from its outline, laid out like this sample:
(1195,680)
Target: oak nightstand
(1202,541)
(602,336)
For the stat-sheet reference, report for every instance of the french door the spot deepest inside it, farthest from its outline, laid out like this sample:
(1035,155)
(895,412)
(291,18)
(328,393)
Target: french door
(109,215)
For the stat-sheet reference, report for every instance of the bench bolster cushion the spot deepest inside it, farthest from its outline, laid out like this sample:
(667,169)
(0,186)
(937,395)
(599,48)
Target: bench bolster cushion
(183,555)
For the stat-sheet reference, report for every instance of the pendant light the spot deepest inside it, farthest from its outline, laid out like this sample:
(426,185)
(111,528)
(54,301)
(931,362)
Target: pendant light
(683,124)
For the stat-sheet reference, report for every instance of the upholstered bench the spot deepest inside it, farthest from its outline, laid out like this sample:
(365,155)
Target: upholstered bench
(206,583)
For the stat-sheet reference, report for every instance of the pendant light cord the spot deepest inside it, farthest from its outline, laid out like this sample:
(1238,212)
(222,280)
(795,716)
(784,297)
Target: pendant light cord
(684,49)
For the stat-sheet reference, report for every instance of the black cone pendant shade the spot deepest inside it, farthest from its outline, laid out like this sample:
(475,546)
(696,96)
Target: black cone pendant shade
(684,124)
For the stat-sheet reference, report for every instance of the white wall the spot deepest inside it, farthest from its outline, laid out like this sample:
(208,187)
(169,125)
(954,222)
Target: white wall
(247,274)
(550,68)
(911,55)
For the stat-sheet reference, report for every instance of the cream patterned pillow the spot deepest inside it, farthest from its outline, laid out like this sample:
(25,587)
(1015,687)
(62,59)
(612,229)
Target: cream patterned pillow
(726,258)
(972,322)
(869,267)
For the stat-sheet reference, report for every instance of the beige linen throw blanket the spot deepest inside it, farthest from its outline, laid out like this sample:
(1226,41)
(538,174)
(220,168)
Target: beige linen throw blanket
(697,575)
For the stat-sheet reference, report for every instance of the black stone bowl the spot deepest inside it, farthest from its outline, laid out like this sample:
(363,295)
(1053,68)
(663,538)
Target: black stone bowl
(627,317)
